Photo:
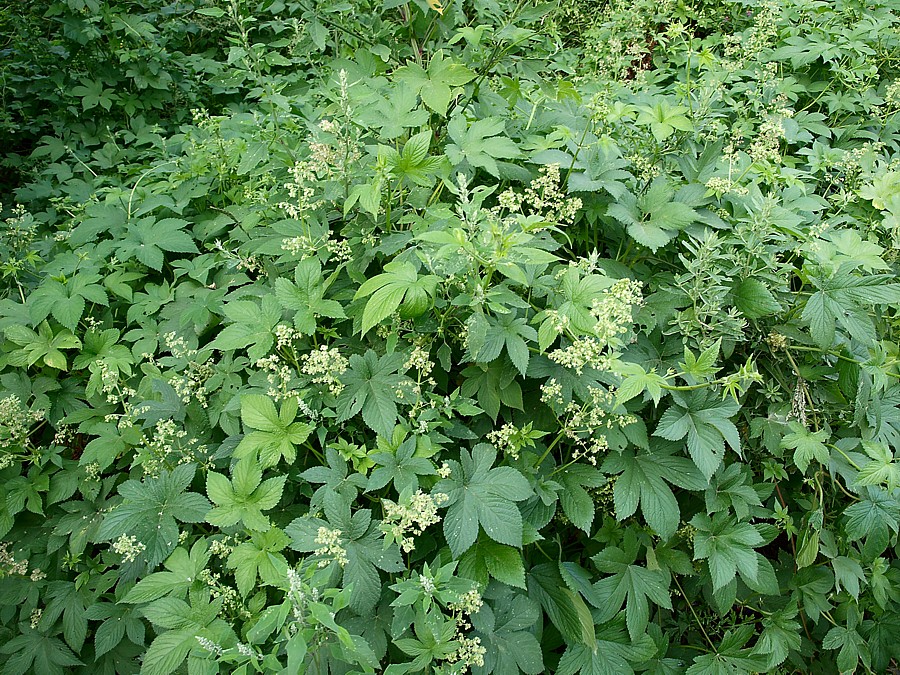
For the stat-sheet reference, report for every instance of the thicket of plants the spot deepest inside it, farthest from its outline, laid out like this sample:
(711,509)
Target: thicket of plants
(490,337)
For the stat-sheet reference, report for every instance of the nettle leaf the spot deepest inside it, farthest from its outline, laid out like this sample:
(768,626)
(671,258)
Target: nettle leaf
(703,418)
(807,445)
(482,496)
(399,285)
(479,143)
(307,296)
(643,480)
(252,326)
(244,497)
(362,540)
(753,298)
(277,435)
(370,386)
(151,509)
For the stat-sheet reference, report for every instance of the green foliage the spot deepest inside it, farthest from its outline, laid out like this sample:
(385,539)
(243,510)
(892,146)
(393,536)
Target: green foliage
(402,337)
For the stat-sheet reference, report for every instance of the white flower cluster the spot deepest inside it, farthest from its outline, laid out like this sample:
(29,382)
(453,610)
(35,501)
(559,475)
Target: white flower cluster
(469,603)
(892,94)
(16,421)
(585,352)
(237,259)
(404,522)
(231,599)
(583,423)
(279,375)
(329,543)
(325,365)
(543,196)
(9,565)
(285,335)
(166,447)
(189,385)
(470,652)
(613,310)
(722,186)
(128,547)
(420,359)
(509,439)
(766,146)
(552,393)
(222,548)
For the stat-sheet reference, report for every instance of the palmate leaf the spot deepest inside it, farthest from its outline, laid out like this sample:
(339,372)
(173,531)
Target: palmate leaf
(727,545)
(643,480)
(731,656)
(489,336)
(614,652)
(147,238)
(504,627)
(183,572)
(306,296)
(66,300)
(703,418)
(33,651)
(399,285)
(276,433)
(252,326)
(482,496)
(150,509)
(807,445)
(362,539)
(244,497)
(260,557)
(629,585)
(437,84)
(480,143)
(369,386)
(654,218)
(845,298)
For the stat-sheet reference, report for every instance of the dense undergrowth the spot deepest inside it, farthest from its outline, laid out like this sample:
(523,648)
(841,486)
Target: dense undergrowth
(347,337)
